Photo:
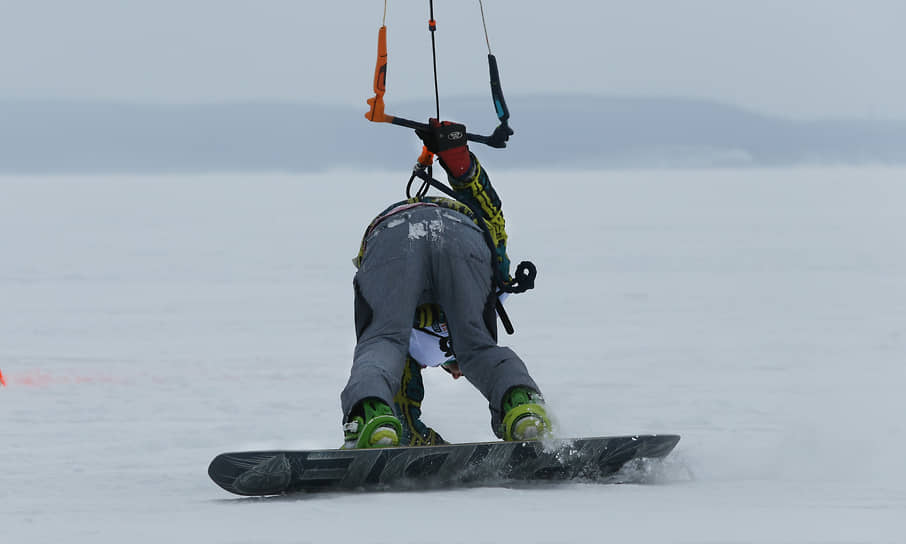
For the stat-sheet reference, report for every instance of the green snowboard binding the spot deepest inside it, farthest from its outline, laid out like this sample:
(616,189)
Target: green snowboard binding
(371,425)
(524,416)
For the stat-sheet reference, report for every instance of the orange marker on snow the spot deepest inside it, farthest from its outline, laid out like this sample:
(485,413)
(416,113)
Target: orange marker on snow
(2,381)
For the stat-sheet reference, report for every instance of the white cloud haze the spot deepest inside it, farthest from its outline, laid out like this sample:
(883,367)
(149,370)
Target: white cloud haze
(801,58)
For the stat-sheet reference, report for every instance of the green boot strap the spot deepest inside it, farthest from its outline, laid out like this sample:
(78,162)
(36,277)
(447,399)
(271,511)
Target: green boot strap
(520,395)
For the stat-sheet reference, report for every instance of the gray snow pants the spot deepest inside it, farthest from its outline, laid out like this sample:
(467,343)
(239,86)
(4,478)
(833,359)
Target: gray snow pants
(428,254)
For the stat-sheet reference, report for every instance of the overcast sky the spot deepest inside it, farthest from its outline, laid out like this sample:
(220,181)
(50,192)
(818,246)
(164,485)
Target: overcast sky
(796,58)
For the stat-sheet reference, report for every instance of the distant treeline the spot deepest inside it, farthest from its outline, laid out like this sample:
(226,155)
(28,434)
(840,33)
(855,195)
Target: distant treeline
(551,131)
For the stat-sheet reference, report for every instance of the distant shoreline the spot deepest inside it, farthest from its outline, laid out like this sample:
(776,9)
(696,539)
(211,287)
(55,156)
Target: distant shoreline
(556,131)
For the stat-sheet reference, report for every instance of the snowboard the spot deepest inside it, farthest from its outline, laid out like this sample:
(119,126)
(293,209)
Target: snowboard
(261,473)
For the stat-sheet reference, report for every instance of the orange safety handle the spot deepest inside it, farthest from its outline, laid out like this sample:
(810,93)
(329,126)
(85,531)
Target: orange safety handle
(426,158)
(376,113)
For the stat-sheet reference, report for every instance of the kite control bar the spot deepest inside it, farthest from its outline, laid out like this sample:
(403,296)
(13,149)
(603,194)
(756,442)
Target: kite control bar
(497,139)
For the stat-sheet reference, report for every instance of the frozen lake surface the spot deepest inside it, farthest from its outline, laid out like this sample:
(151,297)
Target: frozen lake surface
(150,323)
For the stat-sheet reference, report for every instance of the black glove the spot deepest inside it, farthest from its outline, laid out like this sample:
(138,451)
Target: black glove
(440,137)
(448,141)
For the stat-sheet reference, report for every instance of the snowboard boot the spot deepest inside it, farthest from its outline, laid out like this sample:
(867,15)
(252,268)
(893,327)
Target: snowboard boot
(408,401)
(371,424)
(524,417)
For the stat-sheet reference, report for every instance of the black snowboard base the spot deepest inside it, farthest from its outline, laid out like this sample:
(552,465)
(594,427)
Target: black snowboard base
(260,473)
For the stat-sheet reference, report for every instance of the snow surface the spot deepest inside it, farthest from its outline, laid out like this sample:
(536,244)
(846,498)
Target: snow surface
(150,323)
